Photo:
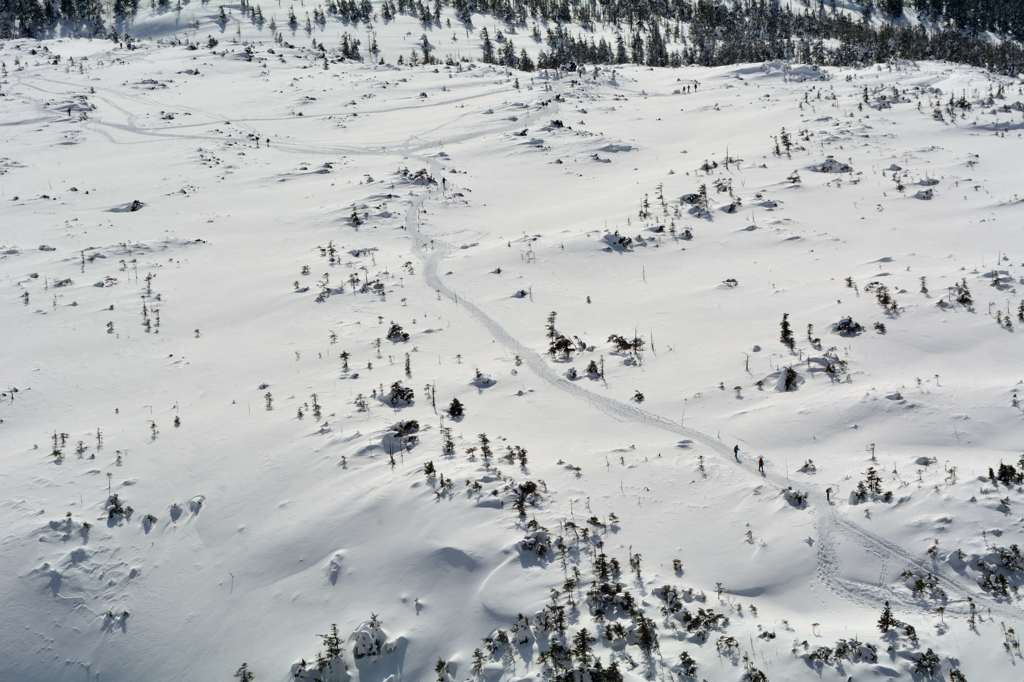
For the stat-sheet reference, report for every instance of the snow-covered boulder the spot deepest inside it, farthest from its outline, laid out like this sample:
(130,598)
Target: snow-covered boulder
(831,165)
(368,639)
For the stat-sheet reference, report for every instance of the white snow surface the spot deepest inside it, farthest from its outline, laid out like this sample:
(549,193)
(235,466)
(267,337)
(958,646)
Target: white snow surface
(266,528)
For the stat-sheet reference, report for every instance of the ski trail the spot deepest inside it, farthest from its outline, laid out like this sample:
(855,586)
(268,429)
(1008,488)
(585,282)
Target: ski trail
(828,522)
(173,132)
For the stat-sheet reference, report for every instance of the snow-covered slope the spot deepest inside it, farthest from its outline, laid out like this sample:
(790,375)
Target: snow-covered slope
(205,255)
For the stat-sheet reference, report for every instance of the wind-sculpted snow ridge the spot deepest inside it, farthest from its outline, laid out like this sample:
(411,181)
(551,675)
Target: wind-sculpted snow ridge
(323,369)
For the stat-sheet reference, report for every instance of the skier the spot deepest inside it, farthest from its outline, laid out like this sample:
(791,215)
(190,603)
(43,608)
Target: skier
(736,452)
(828,495)
(760,465)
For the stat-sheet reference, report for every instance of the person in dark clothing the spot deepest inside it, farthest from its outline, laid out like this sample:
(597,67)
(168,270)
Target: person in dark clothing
(736,452)
(760,465)
(828,495)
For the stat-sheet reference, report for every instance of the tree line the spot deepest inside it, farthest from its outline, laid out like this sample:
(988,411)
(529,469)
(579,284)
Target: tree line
(711,33)
(649,32)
